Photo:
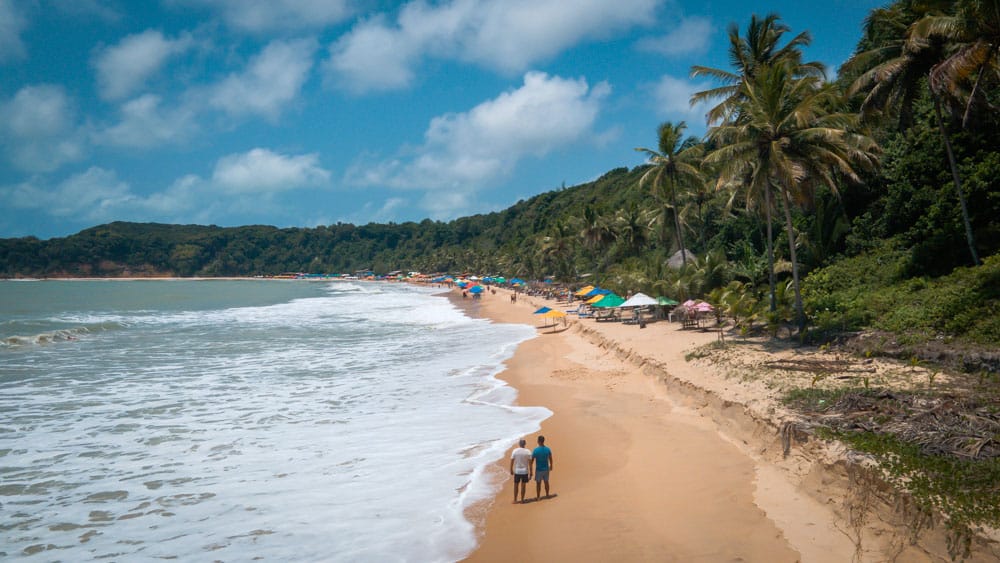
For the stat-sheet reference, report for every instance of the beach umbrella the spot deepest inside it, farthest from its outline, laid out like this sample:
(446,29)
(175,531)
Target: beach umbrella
(500,279)
(689,303)
(542,310)
(703,307)
(639,300)
(584,290)
(553,314)
(609,300)
(476,289)
(666,301)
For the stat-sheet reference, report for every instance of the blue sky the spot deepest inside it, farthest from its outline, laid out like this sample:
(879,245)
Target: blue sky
(312,112)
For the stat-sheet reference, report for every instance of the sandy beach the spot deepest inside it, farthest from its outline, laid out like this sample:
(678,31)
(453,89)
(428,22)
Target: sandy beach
(648,468)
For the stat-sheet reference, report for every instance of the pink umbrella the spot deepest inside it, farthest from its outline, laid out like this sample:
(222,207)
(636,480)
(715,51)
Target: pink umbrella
(689,303)
(703,307)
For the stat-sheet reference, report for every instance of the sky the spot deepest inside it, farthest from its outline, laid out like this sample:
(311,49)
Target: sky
(300,113)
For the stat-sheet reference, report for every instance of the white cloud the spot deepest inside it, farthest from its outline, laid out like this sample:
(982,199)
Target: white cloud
(39,130)
(271,15)
(462,152)
(507,36)
(271,80)
(144,123)
(96,195)
(263,171)
(672,99)
(371,57)
(691,36)
(123,69)
(12,23)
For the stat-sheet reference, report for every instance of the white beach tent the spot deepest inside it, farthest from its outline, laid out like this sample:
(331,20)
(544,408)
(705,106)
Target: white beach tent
(639,300)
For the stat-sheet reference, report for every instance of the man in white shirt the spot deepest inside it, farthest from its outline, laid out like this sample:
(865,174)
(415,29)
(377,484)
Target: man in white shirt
(520,468)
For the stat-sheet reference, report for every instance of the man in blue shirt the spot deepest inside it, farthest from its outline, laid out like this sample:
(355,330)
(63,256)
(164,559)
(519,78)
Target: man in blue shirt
(541,457)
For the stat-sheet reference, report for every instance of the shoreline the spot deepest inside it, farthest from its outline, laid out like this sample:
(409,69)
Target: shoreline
(668,455)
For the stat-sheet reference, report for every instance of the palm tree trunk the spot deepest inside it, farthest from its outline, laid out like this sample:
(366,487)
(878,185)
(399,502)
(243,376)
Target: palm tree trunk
(680,237)
(772,282)
(800,317)
(958,181)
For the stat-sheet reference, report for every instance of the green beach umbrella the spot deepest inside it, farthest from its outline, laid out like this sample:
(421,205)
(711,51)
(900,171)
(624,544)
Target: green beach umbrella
(610,300)
(666,301)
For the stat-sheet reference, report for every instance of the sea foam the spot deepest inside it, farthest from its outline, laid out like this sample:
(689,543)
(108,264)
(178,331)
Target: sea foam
(342,422)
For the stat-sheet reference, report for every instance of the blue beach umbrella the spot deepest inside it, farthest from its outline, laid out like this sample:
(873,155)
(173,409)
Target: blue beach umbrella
(542,311)
(476,289)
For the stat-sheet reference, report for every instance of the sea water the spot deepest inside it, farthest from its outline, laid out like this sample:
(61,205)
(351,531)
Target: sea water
(241,420)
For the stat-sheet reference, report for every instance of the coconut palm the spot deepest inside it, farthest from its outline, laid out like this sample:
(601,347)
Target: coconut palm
(675,169)
(632,227)
(973,35)
(787,138)
(596,234)
(891,72)
(758,48)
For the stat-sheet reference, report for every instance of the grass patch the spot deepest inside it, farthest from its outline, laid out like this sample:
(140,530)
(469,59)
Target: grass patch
(967,491)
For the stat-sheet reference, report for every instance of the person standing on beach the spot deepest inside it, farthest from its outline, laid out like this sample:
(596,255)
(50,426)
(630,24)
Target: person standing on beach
(520,468)
(542,460)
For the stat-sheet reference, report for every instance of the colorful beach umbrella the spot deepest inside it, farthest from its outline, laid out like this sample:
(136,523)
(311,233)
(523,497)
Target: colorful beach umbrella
(584,290)
(542,310)
(666,301)
(553,314)
(476,289)
(609,300)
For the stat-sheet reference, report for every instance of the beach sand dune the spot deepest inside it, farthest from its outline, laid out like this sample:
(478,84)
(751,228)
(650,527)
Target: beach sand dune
(645,471)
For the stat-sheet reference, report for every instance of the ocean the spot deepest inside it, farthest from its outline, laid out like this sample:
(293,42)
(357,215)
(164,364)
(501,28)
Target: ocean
(242,420)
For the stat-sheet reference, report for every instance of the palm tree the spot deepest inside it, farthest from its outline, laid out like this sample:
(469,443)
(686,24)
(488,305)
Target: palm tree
(596,234)
(787,138)
(632,227)
(893,70)
(556,250)
(748,54)
(973,33)
(675,169)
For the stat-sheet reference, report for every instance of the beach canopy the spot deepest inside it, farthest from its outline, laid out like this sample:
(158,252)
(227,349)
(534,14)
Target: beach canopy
(553,314)
(666,301)
(639,300)
(584,290)
(703,307)
(609,300)
(542,310)
(594,299)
